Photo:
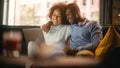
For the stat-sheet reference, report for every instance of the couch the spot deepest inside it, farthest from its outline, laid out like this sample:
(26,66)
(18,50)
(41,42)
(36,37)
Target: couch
(24,44)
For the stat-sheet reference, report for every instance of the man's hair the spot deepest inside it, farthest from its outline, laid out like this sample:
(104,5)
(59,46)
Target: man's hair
(75,10)
(74,7)
(62,7)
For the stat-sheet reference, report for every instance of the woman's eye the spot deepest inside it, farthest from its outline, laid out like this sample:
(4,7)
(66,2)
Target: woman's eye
(53,14)
(59,15)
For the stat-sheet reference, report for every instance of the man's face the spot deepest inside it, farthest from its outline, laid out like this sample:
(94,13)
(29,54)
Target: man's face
(70,16)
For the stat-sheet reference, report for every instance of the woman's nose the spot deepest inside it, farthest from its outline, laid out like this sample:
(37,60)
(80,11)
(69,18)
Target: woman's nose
(56,17)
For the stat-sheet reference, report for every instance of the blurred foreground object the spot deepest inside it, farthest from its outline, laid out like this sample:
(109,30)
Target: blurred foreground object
(11,43)
(86,53)
(43,51)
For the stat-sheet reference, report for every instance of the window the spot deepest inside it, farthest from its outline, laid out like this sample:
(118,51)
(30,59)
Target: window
(83,14)
(92,2)
(34,12)
(94,16)
(84,2)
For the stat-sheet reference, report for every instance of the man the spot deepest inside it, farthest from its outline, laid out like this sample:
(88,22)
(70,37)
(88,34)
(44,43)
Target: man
(85,34)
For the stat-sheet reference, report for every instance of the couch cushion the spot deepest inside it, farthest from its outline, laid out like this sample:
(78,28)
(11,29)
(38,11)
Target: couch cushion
(111,39)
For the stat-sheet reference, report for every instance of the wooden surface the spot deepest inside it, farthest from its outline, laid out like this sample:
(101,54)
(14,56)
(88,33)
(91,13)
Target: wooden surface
(67,62)
(51,62)
(13,62)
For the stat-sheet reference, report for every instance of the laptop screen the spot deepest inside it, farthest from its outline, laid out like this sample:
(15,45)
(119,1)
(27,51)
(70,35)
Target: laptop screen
(33,34)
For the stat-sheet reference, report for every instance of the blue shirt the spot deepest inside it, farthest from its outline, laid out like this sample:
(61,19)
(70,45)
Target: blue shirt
(85,35)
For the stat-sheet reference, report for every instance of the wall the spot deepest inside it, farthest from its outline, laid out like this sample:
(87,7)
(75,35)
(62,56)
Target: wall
(1,11)
(116,12)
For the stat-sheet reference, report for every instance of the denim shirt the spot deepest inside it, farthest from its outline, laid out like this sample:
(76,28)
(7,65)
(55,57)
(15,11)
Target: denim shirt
(85,35)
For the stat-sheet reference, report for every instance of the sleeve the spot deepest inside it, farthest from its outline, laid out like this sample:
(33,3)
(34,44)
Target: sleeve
(32,46)
(68,32)
(96,37)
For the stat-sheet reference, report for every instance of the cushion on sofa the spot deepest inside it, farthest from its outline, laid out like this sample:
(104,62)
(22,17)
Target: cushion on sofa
(111,39)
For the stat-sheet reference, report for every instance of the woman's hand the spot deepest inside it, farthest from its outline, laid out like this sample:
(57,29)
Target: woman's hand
(68,50)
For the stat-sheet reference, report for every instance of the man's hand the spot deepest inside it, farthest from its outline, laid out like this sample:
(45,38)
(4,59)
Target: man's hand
(46,27)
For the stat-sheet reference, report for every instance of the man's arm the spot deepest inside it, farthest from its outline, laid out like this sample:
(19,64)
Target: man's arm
(46,27)
(96,37)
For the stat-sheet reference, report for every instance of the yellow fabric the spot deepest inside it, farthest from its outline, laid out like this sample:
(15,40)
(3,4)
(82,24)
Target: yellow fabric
(111,38)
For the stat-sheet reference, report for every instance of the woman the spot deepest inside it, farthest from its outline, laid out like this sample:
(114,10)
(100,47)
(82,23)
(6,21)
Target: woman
(58,33)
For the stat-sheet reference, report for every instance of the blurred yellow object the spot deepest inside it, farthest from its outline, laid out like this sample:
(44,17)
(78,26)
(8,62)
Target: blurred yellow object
(119,15)
(112,38)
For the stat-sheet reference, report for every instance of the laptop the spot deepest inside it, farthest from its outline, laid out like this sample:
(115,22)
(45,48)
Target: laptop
(33,34)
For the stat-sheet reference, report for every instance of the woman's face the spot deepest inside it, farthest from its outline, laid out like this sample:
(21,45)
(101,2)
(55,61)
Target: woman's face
(56,17)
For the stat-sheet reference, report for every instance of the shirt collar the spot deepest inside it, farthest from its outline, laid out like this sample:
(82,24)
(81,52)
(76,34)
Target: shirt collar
(83,23)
